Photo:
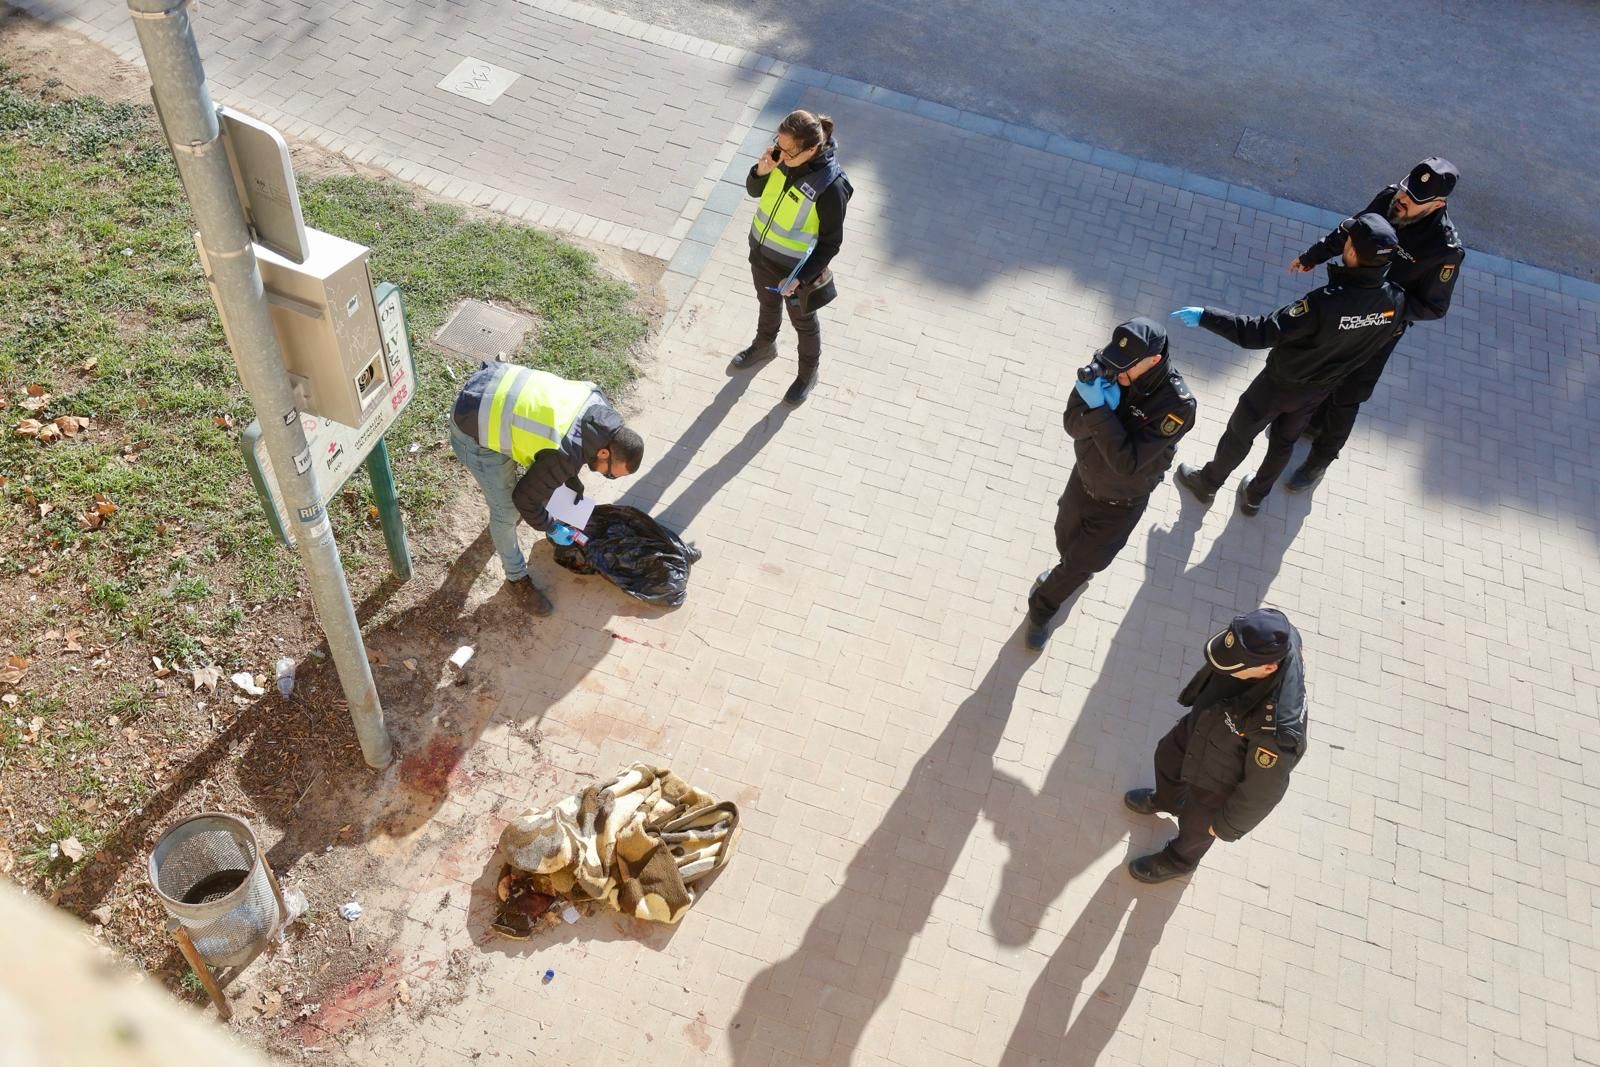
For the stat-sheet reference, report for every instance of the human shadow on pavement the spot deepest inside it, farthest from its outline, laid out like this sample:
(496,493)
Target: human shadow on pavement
(681,513)
(1042,1034)
(658,475)
(1109,751)
(890,887)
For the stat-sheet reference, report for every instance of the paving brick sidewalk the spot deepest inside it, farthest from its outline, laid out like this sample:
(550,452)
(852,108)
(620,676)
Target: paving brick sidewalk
(932,869)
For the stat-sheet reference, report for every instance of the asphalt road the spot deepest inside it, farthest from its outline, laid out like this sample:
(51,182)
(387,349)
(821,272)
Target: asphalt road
(1320,102)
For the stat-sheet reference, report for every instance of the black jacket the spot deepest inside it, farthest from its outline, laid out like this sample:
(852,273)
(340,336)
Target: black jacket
(551,467)
(1123,454)
(1430,281)
(1250,759)
(830,206)
(1326,334)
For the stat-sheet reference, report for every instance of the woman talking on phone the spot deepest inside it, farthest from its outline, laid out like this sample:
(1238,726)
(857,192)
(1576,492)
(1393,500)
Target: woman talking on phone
(797,231)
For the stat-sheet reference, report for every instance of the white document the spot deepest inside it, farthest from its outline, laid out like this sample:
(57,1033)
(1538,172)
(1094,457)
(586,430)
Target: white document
(565,506)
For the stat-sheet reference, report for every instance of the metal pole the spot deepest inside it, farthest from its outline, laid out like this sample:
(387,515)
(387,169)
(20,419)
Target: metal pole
(381,473)
(194,134)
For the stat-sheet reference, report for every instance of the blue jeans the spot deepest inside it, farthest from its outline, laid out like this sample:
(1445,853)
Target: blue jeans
(497,477)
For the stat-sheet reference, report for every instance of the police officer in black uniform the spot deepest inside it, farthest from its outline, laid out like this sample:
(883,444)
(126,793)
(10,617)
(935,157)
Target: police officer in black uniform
(1126,415)
(1316,342)
(1226,763)
(1416,208)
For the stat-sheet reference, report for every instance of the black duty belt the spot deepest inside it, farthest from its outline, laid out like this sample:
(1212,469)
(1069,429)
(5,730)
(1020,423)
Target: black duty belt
(1113,503)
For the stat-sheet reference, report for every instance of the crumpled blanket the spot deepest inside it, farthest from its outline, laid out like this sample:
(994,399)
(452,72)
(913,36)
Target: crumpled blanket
(643,843)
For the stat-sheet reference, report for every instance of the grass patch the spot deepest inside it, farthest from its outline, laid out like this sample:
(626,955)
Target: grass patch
(104,309)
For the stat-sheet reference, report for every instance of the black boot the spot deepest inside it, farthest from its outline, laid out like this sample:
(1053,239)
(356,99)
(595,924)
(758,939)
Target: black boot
(755,355)
(1247,503)
(1304,478)
(1156,868)
(1141,801)
(801,387)
(1036,637)
(1194,480)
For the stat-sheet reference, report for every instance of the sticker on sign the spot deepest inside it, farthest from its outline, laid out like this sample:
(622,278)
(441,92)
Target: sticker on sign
(336,449)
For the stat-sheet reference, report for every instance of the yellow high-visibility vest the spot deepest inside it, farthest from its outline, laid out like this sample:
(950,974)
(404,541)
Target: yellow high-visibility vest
(525,411)
(786,219)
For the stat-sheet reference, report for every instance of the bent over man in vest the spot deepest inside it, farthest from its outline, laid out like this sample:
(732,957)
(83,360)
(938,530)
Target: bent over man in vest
(507,417)
(1226,764)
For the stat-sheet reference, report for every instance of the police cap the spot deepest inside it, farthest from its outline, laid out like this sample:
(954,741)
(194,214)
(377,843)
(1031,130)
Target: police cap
(1131,342)
(1255,638)
(1431,179)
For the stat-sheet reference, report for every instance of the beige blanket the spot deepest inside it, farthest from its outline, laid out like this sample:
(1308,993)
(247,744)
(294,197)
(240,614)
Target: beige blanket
(640,843)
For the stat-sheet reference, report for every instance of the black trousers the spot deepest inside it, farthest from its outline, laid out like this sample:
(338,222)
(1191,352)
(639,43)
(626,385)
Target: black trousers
(764,272)
(1336,416)
(1089,534)
(1194,807)
(1284,411)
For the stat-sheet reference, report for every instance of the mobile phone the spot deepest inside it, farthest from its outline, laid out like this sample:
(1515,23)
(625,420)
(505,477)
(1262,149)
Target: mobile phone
(773,152)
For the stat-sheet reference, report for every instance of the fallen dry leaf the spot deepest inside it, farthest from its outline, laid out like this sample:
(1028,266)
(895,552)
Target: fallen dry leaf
(13,670)
(91,520)
(10,700)
(206,678)
(45,509)
(37,390)
(71,848)
(71,425)
(72,641)
(31,734)
(271,1003)
(29,428)
(103,504)
(223,421)
(411,664)
(89,364)
(34,404)
(51,635)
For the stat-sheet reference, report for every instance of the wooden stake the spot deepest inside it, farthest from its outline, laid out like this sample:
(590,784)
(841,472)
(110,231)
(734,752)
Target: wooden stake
(186,946)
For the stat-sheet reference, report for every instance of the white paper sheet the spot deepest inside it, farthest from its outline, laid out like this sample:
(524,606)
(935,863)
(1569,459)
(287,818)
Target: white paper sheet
(565,506)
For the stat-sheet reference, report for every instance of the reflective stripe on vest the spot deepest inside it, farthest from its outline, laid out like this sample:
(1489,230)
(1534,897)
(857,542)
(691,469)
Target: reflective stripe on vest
(525,411)
(786,220)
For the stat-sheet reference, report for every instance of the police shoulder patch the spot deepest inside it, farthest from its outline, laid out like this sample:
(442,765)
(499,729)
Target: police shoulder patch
(1298,308)
(1447,272)
(1266,759)
(1171,424)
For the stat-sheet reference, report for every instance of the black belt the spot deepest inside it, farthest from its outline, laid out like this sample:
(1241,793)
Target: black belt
(1113,503)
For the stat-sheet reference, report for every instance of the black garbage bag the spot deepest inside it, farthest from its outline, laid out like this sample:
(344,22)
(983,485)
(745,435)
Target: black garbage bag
(642,557)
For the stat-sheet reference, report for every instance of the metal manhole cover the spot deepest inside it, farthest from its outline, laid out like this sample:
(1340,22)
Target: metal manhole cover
(482,331)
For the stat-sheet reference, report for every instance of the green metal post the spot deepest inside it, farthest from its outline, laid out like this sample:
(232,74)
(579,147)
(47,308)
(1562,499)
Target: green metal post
(394,526)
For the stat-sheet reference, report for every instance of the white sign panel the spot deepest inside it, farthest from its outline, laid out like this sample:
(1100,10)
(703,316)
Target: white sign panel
(336,449)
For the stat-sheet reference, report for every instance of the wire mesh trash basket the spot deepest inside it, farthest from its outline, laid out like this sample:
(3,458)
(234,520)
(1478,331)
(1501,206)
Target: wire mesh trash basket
(215,885)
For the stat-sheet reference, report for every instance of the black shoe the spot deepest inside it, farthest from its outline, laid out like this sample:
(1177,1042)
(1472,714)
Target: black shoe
(531,596)
(755,355)
(1248,504)
(1156,868)
(801,387)
(1193,480)
(1039,581)
(1141,801)
(1038,633)
(1304,478)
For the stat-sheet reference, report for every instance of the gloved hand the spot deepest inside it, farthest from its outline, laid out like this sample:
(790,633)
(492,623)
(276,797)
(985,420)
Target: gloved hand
(1189,316)
(560,533)
(1099,392)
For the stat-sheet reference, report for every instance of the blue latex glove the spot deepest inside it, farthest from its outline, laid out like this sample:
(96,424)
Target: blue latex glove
(1190,316)
(1112,393)
(1094,393)
(560,533)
